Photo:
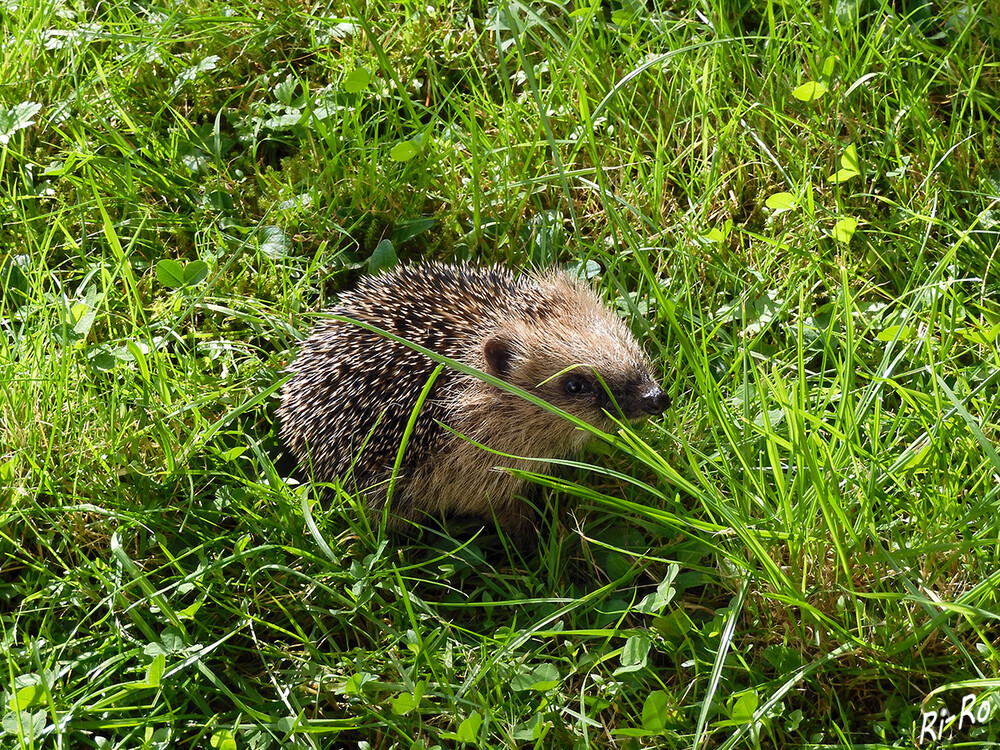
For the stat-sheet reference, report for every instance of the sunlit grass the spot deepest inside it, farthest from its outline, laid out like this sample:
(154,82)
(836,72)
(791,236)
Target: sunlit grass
(802,552)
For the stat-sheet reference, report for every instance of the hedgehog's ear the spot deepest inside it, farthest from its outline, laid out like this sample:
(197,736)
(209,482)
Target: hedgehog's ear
(499,352)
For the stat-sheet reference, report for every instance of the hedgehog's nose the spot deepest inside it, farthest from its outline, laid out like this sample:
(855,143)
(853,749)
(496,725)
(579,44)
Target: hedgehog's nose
(655,401)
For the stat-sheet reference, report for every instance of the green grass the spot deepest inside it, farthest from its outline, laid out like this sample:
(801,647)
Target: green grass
(805,551)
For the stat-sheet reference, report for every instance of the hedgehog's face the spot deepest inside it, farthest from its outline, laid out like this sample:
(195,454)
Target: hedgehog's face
(588,393)
(587,383)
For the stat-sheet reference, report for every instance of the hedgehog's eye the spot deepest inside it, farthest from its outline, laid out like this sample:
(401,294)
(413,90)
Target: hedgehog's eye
(576,386)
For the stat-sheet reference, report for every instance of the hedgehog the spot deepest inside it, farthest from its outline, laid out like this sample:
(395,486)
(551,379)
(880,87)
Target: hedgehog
(352,392)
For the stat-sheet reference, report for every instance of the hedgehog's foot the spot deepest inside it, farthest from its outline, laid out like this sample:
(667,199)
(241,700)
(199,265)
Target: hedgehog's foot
(517,521)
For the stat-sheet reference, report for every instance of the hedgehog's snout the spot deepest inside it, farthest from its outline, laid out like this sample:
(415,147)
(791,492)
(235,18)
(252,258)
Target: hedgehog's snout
(636,401)
(654,400)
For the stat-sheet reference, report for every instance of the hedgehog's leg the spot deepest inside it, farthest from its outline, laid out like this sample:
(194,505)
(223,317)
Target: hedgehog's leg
(404,518)
(517,520)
